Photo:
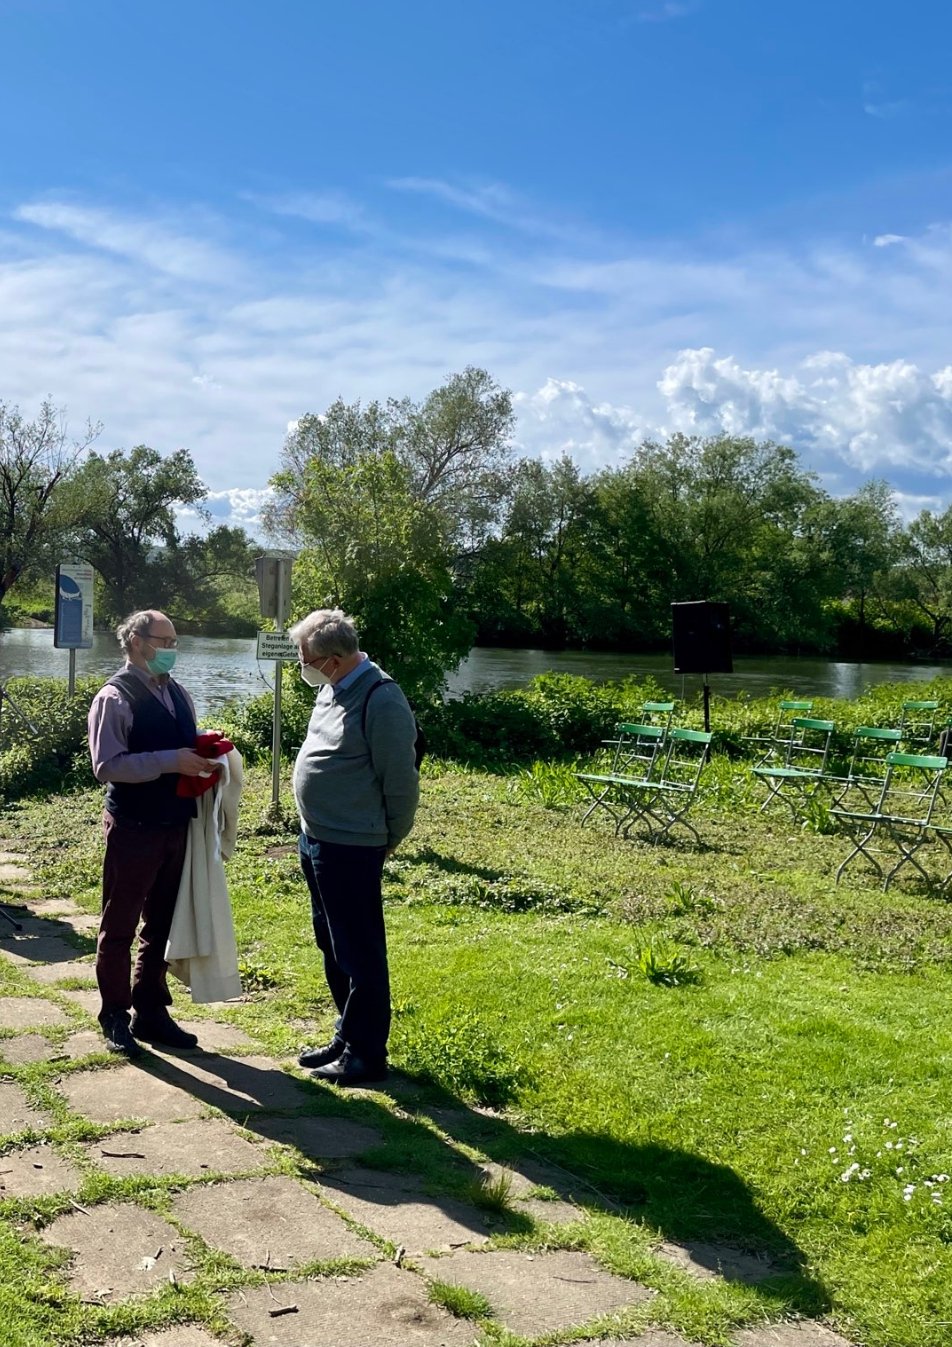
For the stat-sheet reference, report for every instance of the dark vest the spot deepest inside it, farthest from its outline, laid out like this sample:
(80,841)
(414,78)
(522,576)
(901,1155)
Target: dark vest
(153,729)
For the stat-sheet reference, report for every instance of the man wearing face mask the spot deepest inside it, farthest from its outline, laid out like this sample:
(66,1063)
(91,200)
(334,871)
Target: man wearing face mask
(356,787)
(141,740)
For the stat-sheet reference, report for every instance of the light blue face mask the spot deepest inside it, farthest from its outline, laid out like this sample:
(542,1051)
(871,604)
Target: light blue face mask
(162,662)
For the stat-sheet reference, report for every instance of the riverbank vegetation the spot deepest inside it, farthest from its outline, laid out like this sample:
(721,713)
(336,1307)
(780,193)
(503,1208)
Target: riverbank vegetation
(726,1050)
(422,521)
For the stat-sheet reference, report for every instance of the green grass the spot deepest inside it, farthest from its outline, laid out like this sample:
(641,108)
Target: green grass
(751,1104)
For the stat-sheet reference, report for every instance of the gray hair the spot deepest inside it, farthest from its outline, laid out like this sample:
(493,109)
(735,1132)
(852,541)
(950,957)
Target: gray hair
(326,631)
(136,624)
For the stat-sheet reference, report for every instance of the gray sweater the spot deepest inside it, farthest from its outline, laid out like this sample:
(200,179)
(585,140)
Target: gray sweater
(351,788)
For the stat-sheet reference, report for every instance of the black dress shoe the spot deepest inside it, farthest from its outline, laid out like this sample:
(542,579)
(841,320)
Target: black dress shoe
(349,1069)
(321,1056)
(115,1027)
(157,1026)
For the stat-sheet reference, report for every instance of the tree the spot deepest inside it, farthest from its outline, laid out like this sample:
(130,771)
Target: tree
(372,547)
(384,501)
(862,539)
(454,446)
(129,516)
(925,576)
(731,513)
(37,460)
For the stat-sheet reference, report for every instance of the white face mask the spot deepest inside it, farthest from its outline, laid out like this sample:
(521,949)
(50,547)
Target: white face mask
(314,678)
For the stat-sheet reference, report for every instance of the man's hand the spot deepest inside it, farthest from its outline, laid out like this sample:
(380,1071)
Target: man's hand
(189,763)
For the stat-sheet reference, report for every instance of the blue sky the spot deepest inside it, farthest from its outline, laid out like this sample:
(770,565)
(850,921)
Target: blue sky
(639,215)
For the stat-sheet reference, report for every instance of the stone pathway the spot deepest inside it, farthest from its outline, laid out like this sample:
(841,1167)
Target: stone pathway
(259,1191)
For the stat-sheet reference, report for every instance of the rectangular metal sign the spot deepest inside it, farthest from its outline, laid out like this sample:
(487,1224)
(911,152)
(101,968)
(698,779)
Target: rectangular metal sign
(275,645)
(73,628)
(273,574)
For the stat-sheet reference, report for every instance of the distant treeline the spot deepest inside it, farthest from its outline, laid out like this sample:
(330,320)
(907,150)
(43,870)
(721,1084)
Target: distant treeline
(419,519)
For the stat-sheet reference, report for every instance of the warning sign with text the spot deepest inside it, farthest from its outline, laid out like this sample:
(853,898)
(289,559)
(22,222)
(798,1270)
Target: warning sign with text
(275,645)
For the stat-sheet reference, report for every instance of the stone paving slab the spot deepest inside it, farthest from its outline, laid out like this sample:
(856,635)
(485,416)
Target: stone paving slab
(38,949)
(24,1048)
(53,907)
(209,1145)
(539,1293)
(78,969)
(183,1335)
(382,1308)
(521,1182)
(87,1000)
(235,1084)
(36,1172)
(321,1138)
(800,1334)
(273,1222)
(83,1043)
(396,1207)
(127,1092)
(655,1337)
(119,1250)
(28,1012)
(215,1036)
(16,1113)
(720,1260)
(12,874)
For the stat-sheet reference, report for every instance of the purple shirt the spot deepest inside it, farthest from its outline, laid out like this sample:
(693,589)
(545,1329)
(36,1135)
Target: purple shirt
(110,720)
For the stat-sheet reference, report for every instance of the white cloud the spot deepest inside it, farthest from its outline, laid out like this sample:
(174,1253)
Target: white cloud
(329,208)
(874,417)
(911,505)
(236,507)
(888,240)
(146,241)
(604,341)
(560,418)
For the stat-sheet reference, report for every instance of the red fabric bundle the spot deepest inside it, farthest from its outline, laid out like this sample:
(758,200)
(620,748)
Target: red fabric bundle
(208,744)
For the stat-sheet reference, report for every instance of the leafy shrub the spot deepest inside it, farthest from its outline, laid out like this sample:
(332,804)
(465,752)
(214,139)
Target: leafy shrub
(50,751)
(665,965)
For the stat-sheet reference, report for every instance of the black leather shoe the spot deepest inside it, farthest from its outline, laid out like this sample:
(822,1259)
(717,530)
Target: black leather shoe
(321,1056)
(158,1027)
(115,1027)
(349,1069)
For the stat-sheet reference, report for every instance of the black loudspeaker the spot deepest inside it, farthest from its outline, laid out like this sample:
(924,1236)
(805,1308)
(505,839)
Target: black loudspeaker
(702,638)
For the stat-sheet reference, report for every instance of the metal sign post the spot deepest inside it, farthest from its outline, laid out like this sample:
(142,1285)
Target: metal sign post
(273,574)
(73,629)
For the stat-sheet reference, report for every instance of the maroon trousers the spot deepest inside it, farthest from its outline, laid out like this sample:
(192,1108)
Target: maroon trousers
(140,879)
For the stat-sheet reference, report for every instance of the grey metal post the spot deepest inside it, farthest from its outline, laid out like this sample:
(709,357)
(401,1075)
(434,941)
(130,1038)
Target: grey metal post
(72,670)
(275,810)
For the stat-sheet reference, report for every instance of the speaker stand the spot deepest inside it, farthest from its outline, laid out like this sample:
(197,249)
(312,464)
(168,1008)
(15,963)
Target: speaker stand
(707,706)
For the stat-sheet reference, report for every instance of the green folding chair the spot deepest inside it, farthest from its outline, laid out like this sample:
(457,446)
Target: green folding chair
(658,713)
(901,822)
(773,744)
(663,803)
(803,766)
(862,785)
(634,760)
(917,725)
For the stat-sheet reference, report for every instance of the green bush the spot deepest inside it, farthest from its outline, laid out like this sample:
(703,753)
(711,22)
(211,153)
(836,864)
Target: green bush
(49,752)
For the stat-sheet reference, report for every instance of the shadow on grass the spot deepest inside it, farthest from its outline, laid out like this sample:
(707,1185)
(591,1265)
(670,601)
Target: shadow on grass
(703,1207)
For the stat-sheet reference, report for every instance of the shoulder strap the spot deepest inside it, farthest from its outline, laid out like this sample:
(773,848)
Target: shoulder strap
(370,692)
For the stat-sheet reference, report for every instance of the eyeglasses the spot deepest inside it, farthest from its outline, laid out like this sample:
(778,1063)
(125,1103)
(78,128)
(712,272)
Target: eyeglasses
(166,642)
(318,659)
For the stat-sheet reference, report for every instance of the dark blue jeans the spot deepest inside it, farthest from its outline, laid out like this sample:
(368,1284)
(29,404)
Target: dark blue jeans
(347,913)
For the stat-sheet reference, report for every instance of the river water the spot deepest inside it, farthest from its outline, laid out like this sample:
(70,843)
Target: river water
(216,669)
